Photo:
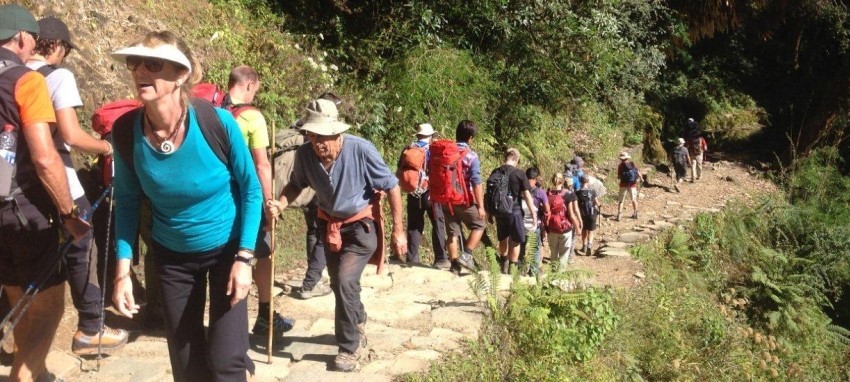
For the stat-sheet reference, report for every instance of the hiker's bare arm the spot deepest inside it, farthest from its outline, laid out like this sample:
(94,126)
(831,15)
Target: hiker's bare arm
(48,165)
(73,134)
(264,173)
(530,203)
(51,173)
(287,195)
(399,236)
(122,293)
(264,170)
(478,194)
(574,216)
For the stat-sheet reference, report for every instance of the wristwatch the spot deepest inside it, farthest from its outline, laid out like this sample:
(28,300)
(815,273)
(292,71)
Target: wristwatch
(75,213)
(251,261)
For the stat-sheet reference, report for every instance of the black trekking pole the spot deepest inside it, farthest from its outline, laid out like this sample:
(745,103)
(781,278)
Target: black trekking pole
(18,310)
(102,288)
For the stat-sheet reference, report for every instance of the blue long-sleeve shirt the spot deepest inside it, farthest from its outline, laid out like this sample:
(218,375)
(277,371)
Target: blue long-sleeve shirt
(198,203)
(348,187)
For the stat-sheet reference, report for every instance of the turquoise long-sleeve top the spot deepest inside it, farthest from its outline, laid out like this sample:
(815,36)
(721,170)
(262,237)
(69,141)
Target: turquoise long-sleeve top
(198,203)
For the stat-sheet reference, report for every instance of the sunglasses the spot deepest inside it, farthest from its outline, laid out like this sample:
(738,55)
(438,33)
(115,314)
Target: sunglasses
(153,65)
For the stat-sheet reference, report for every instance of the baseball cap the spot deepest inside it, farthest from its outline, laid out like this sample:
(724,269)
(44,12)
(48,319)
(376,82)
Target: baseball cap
(14,18)
(54,29)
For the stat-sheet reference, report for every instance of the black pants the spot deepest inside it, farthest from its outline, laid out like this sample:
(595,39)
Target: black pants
(222,353)
(316,260)
(345,267)
(417,208)
(85,290)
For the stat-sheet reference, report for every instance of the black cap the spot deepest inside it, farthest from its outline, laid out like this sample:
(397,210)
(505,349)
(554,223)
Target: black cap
(54,29)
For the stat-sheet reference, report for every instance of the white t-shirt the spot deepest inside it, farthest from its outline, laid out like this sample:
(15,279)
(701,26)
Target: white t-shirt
(64,93)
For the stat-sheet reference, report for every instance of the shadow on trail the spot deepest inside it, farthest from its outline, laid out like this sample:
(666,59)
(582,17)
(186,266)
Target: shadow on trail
(280,347)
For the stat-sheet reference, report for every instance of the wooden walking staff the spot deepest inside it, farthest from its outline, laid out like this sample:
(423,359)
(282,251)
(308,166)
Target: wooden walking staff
(273,226)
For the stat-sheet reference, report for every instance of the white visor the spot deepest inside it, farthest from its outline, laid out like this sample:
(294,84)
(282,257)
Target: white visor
(166,52)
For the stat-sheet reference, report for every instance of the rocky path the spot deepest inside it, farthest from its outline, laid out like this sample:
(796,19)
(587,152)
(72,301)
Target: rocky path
(417,314)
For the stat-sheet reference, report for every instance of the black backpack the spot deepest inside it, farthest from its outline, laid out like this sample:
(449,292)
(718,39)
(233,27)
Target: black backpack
(497,198)
(585,202)
(680,156)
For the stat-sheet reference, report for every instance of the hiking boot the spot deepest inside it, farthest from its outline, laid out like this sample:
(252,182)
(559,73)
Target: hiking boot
(505,264)
(346,361)
(465,260)
(443,264)
(634,216)
(617,218)
(281,325)
(589,249)
(86,344)
(455,268)
(318,291)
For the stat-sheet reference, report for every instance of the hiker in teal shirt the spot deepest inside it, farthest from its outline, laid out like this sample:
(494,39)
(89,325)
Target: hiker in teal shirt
(206,211)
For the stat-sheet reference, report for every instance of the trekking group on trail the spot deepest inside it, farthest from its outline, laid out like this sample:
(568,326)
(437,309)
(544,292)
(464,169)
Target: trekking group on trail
(200,182)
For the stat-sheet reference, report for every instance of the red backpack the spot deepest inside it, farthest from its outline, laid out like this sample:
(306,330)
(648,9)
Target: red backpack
(102,121)
(209,92)
(558,221)
(104,117)
(445,173)
(411,173)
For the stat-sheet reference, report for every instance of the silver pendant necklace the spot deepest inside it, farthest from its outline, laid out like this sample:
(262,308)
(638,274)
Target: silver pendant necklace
(166,146)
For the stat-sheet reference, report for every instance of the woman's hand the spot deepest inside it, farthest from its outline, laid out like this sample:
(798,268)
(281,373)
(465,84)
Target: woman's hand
(122,292)
(240,280)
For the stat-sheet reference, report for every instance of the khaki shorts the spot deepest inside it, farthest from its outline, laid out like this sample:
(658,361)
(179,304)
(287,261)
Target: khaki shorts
(632,192)
(459,214)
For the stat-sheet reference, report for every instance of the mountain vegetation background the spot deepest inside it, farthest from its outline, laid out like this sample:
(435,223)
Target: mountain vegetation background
(754,293)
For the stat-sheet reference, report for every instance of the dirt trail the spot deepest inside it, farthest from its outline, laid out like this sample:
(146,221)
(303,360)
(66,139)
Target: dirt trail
(419,314)
(661,207)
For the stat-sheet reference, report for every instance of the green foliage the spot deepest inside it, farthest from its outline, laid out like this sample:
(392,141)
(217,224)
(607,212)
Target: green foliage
(436,85)
(290,75)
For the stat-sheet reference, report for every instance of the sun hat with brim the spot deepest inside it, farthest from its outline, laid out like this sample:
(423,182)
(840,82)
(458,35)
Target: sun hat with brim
(323,119)
(425,129)
(624,155)
(680,141)
(15,18)
(166,52)
(54,29)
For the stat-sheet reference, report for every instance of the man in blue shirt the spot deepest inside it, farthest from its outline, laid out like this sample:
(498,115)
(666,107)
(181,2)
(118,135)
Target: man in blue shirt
(348,175)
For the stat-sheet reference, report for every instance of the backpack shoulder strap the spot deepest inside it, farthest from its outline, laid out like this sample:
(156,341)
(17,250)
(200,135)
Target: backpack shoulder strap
(122,137)
(213,129)
(5,65)
(46,70)
(237,110)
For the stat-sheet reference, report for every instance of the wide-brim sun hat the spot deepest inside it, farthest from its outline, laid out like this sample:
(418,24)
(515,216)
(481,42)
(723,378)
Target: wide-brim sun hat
(624,155)
(166,52)
(425,129)
(680,141)
(323,119)
(15,18)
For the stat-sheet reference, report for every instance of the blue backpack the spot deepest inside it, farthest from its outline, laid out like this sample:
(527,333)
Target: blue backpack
(629,174)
